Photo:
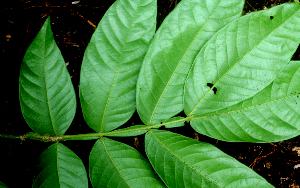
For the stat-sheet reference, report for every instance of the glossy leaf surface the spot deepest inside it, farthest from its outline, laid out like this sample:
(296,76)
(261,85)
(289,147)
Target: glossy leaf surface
(183,162)
(47,96)
(271,115)
(60,167)
(112,62)
(169,57)
(114,164)
(242,59)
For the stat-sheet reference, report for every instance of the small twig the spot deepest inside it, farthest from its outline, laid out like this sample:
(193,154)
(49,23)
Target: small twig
(88,21)
(254,162)
(258,158)
(251,6)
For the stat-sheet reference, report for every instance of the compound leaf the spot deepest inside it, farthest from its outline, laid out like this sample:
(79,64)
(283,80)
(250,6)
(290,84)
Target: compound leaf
(271,115)
(114,164)
(242,59)
(60,167)
(183,162)
(112,62)
(169,57)
(47,96)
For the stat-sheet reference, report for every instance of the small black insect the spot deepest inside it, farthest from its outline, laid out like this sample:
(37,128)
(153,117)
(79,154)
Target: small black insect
(211,85)
(271,17)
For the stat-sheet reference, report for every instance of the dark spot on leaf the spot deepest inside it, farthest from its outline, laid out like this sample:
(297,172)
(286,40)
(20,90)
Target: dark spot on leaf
(211,85)
(271,17)
(215,90)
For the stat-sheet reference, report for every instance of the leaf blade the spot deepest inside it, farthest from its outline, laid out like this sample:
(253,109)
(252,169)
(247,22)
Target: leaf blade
(269,116)
(60,167)
(114,164)
(46,93)
(171,53)
(184,162)
(239,69)
(111,63)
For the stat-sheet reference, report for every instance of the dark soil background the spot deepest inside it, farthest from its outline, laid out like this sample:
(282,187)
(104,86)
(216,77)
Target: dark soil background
(73,24)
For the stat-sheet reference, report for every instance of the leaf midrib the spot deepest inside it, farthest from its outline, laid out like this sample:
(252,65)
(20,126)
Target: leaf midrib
(57,161)
(112,161)
(194,116)
(46,85)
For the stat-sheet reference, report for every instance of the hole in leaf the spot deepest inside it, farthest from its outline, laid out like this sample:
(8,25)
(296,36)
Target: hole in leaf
(214,89)
(210,85)
(271,17)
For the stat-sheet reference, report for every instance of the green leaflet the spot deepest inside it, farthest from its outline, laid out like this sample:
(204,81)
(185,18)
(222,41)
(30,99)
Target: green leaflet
(112,61)
(242,59)
(60,167)
(47,96)
(271,115)
(169,57)
(114,164)
(183,162)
